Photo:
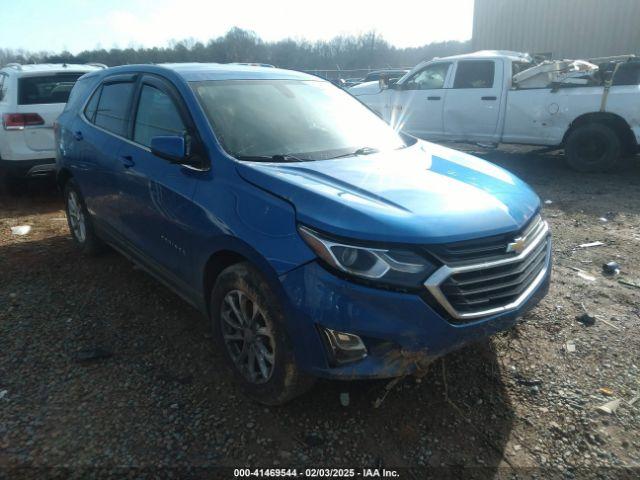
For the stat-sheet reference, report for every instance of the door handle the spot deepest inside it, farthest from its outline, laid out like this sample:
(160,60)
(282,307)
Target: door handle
(489,98)
(127,161)
(433,98)
(78,135)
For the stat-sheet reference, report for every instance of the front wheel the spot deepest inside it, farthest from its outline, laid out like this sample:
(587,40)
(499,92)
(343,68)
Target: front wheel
(79,221)
(248,324)
(593,147)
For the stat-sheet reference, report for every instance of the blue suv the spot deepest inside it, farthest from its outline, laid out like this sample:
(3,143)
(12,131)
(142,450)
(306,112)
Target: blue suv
(317,240)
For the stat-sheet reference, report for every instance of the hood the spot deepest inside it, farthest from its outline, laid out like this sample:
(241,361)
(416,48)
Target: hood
(421,194)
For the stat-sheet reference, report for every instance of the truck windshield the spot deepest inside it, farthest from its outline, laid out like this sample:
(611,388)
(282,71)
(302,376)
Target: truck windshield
(277,119)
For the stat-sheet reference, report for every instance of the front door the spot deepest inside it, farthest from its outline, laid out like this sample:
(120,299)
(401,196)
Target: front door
(156,194)
(417,104)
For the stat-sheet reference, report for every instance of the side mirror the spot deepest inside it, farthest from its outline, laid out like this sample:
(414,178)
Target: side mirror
(171,148)
(383,82)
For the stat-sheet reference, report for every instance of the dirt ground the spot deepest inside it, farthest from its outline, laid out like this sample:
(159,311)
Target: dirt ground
(525,400)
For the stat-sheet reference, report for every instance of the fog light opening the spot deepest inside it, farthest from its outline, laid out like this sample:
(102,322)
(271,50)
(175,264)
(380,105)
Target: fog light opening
(344,347)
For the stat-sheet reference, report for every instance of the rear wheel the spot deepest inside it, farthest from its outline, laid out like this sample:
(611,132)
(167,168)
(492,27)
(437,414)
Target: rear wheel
(593,147)
(248,324)
(80,222)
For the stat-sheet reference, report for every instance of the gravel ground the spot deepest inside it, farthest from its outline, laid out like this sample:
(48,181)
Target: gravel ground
(159,399)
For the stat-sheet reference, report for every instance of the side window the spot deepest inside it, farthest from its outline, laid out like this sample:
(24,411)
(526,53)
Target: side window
(113,107)
(475,74)
(157,116)
(430,77)
(92,105)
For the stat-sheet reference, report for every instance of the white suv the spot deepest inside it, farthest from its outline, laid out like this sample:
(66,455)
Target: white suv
(31,98)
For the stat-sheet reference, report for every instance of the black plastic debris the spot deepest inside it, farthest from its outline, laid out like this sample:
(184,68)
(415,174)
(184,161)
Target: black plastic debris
(528,382)
(92,355)
(611,268)
(586,319)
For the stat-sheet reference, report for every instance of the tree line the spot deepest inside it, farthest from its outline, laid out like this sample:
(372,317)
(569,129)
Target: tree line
(345,52)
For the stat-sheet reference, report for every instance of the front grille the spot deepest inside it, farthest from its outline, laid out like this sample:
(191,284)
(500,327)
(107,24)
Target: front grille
(482,248)
(494,286)
(497,282)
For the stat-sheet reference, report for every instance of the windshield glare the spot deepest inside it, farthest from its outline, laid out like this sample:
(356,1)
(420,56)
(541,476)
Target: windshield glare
(310,119)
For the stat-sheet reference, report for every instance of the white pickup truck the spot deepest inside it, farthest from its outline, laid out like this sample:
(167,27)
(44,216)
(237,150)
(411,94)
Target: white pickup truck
(592,110)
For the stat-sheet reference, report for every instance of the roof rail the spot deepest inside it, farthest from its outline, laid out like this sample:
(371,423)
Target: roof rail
(17,66)
(95,64)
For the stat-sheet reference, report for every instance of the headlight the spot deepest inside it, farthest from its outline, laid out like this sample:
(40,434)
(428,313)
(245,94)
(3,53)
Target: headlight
(397,267)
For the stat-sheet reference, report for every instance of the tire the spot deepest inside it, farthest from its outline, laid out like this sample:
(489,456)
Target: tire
(79,221)
(248,326)
(593,147)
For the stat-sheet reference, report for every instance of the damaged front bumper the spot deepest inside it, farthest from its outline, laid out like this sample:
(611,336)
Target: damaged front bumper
(401,331)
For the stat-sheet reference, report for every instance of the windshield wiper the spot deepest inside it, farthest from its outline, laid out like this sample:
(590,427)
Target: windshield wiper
(359,151)
(269,158)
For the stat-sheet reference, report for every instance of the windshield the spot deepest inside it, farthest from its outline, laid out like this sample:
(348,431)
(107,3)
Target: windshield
(311,120)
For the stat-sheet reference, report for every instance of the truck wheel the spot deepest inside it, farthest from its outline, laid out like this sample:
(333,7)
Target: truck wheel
(248,325)
(79,221)
(593,147)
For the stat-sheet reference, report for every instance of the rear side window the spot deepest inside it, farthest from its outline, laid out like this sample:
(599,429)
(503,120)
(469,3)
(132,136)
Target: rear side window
(46,89)
(157,116)
(474,74)
(92,106)
(112,113)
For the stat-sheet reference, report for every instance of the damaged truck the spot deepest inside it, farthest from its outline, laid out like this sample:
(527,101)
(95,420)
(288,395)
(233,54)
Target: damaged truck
(589,108)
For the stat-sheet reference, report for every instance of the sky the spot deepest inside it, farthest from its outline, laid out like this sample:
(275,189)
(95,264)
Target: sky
(76,25)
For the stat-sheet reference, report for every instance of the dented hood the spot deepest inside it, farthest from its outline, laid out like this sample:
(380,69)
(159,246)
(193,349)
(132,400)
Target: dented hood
(422,194)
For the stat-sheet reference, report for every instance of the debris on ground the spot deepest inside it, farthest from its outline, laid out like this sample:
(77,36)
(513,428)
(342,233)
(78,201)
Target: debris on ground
(548,202)
(628,283)
(570,346)
(609,407)
(610,324)
(586,319)
(606,391)
(3,393)
(21,229)
(344,399)
(92,354)
(387,389)
(585,276)
(611,268)
(591,244)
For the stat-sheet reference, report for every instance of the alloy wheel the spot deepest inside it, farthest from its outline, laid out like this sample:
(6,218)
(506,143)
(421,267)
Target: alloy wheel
(76,217)
(248,336)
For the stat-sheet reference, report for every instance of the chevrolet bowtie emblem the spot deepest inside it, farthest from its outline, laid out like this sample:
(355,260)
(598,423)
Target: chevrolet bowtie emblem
(517,246)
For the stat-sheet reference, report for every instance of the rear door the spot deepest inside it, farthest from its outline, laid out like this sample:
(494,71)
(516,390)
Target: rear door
(45,94)
(417,103)
(98,133)
(472,106)
(155,195)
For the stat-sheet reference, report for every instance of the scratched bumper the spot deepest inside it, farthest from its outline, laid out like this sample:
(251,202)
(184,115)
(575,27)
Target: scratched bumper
(401,331)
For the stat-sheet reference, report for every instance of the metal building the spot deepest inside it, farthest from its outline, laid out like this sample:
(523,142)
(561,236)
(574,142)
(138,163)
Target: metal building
(563,28)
